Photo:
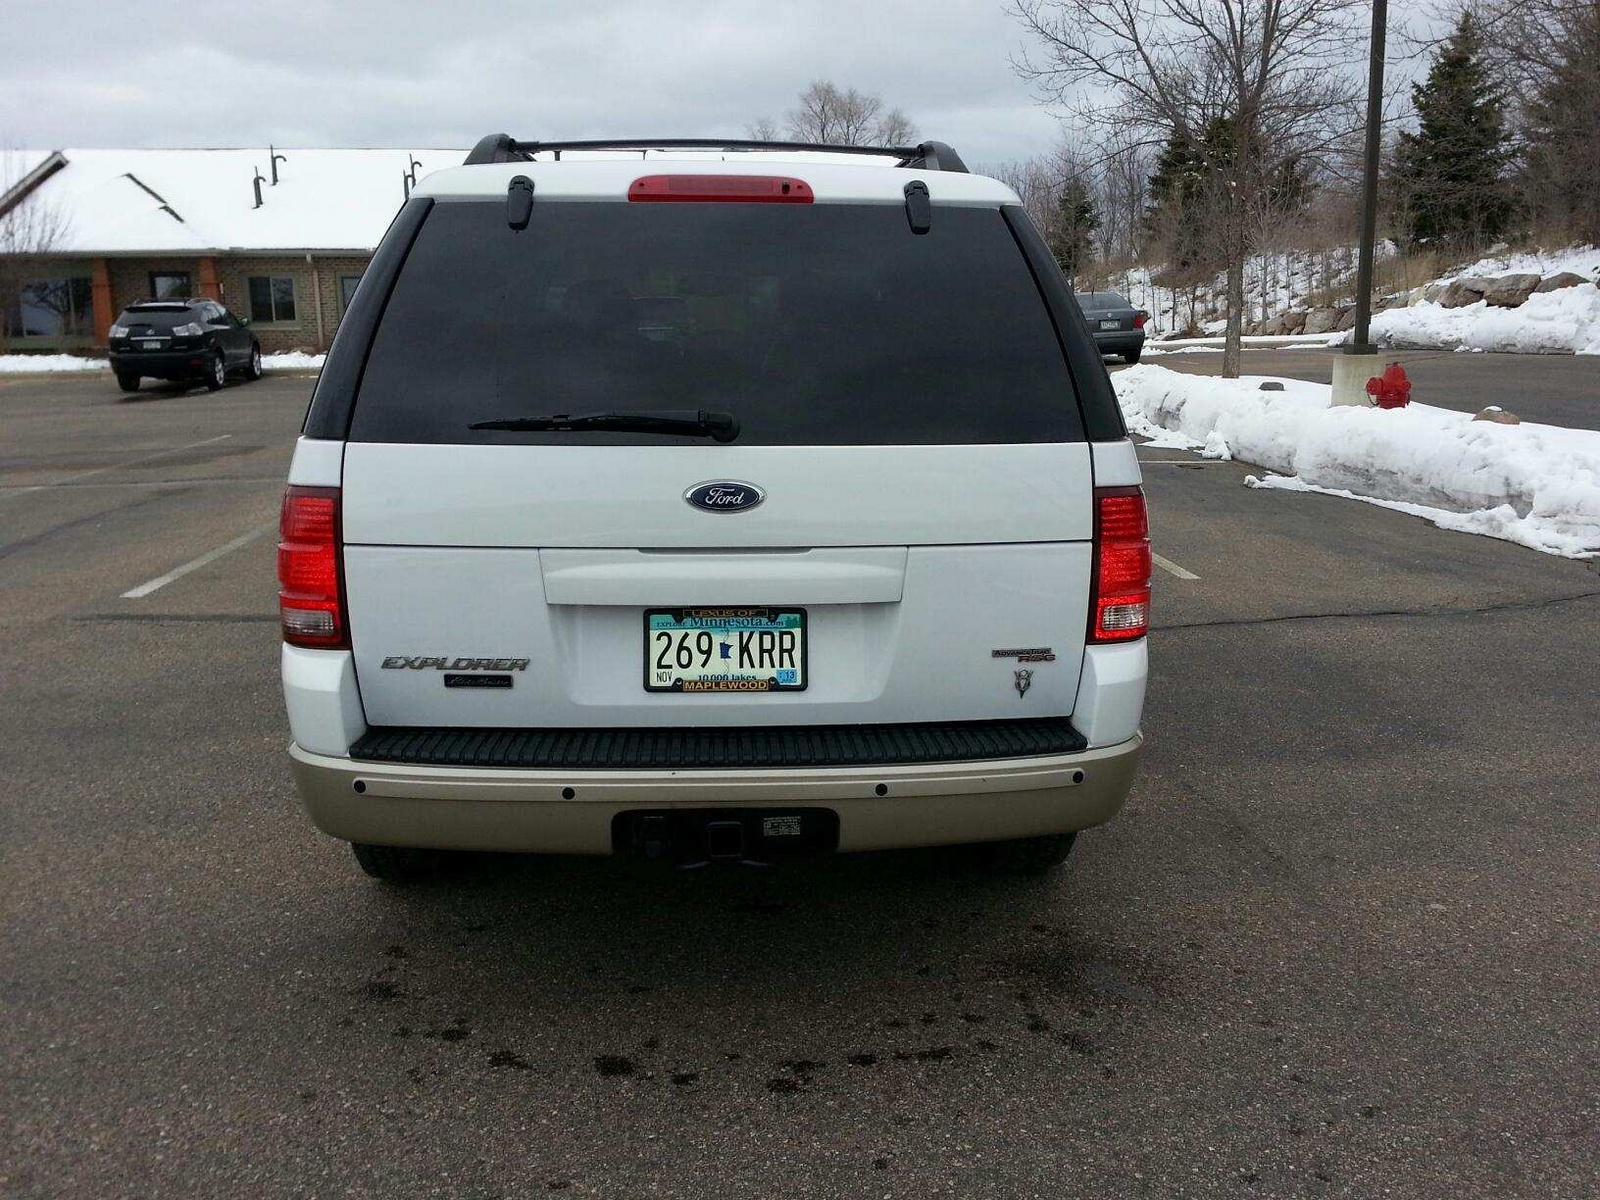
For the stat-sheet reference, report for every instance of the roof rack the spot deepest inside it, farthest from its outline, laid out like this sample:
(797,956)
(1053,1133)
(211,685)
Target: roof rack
(501,147)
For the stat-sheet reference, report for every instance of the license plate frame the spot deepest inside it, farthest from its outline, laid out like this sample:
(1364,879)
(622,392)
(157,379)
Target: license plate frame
(725,623)
(1112,323)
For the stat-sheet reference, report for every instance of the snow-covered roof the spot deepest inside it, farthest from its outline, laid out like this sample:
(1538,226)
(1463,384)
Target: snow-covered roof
(187,201)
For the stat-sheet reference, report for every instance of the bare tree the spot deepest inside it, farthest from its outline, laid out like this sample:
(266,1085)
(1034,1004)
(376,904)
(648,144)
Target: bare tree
(30,227)
(764,130)
(1245,85)
(825,113)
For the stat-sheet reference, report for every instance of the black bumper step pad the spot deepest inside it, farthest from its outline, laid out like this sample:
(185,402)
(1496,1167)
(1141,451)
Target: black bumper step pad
(689,749)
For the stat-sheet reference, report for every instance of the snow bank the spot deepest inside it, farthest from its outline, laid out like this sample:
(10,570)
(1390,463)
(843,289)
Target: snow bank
(1538,485)
(1580,260)
(31,364)
(1560,322)
(292,360)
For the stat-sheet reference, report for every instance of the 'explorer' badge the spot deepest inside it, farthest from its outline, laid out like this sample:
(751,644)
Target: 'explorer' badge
(725,495)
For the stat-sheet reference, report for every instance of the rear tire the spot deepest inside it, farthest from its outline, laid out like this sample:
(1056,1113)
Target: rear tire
(1133,356)
(399,864)
(1031,856)
(216,374)
(128,383)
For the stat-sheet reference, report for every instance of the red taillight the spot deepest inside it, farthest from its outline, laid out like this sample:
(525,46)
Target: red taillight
(1139,318)
(1120,597)
(721,189)
(310,589)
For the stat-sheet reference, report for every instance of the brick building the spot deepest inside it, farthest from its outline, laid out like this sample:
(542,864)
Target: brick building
(279,237)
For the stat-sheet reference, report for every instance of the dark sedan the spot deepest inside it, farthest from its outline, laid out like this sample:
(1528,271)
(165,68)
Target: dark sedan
(1118,326)
(182,339)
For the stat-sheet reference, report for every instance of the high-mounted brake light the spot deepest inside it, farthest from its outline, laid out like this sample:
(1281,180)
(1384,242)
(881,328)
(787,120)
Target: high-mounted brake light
(310,582)
(1119,606)
(720,189)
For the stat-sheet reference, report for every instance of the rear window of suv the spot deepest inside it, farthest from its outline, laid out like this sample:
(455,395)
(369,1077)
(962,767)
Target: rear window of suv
(165,316)
(821,324)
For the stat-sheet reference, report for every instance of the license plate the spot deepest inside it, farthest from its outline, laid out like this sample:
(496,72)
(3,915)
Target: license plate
(1110,324)
(151,344)
(748,649)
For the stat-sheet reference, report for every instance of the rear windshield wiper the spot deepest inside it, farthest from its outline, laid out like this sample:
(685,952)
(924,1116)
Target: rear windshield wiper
(719,426)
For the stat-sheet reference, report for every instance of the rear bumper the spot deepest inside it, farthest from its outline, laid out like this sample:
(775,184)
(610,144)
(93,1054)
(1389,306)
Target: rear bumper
(164,364)
(570,812)
(1119,342)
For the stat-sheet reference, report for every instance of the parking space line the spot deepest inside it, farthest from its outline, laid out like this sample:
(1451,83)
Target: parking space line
(194,564)
(39,487)
(1166,564)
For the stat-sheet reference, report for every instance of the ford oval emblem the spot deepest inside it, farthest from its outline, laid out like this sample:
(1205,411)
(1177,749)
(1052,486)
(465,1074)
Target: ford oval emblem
(725,496)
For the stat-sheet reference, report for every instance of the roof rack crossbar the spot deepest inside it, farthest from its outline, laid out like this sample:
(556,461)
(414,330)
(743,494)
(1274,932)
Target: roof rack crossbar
(928,156)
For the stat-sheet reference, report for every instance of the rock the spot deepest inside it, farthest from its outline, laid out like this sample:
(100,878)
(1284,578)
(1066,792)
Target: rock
(1432,292)
(1459,293)
(1321,320)
(1271,385)
(1498,415)
(1562,279)
(1509,291)
(1293,321)
(1347,319)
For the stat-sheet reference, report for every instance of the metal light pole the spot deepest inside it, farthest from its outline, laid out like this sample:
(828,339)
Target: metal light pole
(1350,368)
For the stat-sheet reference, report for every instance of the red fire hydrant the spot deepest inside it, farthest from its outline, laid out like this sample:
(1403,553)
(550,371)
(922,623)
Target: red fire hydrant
(1391,389)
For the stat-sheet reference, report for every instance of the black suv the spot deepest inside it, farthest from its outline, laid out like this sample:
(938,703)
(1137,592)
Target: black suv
(182,339)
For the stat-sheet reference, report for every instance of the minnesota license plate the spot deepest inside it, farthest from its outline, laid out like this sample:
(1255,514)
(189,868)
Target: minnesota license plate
(751,649)
(1110,324)
(151,344)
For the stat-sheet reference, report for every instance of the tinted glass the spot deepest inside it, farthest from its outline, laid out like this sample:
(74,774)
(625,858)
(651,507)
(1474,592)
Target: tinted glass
(260,298)
(157,318)
(813,324)
(347,290)
(169,285)
(1100,301)
(283,299)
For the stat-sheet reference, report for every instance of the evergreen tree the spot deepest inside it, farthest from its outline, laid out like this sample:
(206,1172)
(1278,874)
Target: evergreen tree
(1072,226)
(1453,168)
(1183,193)
(1562,176)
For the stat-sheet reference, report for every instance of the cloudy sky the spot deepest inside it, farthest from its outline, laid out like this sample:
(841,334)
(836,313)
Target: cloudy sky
(405,73)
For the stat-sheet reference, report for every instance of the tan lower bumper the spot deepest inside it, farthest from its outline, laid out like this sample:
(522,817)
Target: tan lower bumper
(570,812)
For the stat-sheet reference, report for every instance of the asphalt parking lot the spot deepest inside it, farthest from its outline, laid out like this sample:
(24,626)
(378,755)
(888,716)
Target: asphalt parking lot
(1341,941)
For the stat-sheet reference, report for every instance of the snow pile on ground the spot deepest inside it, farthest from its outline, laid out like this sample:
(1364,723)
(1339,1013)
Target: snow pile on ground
(1580,260)
(293,360)
(28,364)
(1566,321)
(1537,485)
(37,364)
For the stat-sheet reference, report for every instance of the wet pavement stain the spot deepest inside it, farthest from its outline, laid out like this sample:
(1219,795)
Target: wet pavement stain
(931,1054)
(613,1065)
(501,1059)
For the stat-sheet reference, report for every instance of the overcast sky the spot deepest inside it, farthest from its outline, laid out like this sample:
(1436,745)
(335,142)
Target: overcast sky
(404,73)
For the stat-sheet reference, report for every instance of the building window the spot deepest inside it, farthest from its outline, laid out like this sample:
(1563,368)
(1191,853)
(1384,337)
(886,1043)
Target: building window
(59,307)
(271,299)
(169,285)
(347,291)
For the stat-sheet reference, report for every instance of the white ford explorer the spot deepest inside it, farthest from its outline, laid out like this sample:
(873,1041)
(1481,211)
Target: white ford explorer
(712,503)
